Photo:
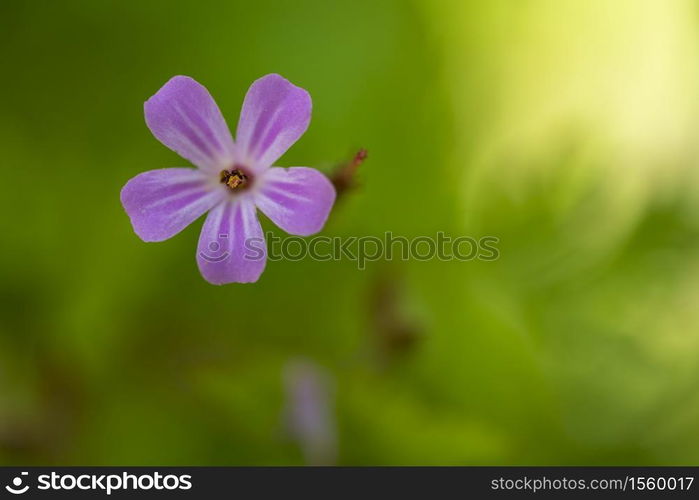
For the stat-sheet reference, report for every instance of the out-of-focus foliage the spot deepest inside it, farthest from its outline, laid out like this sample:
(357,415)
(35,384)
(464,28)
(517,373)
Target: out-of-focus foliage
(566,129)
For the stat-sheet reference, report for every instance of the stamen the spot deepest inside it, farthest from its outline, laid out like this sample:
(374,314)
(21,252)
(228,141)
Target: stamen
(235,179)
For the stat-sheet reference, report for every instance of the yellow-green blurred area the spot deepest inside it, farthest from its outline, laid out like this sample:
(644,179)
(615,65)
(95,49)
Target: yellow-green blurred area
(567,129)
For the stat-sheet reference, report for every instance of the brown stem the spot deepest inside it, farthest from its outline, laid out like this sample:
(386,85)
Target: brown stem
(343,178)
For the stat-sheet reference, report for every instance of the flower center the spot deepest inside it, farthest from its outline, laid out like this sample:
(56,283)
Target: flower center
(236,179)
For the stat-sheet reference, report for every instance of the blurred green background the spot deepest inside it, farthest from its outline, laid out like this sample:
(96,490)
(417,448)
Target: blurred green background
(568,129)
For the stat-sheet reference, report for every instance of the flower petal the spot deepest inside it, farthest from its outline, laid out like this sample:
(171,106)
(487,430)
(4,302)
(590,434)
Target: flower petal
(275,114)
(232,247)
(184,117)
(161,203)
(297,199)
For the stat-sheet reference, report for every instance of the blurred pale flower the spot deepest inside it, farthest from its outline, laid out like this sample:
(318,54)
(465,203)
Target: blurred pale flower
(233,178)
(309,412)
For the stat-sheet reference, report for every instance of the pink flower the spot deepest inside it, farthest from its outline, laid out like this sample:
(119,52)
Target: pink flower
(233,179)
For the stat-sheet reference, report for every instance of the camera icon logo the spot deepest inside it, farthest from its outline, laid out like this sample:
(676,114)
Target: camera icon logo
(17,483)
